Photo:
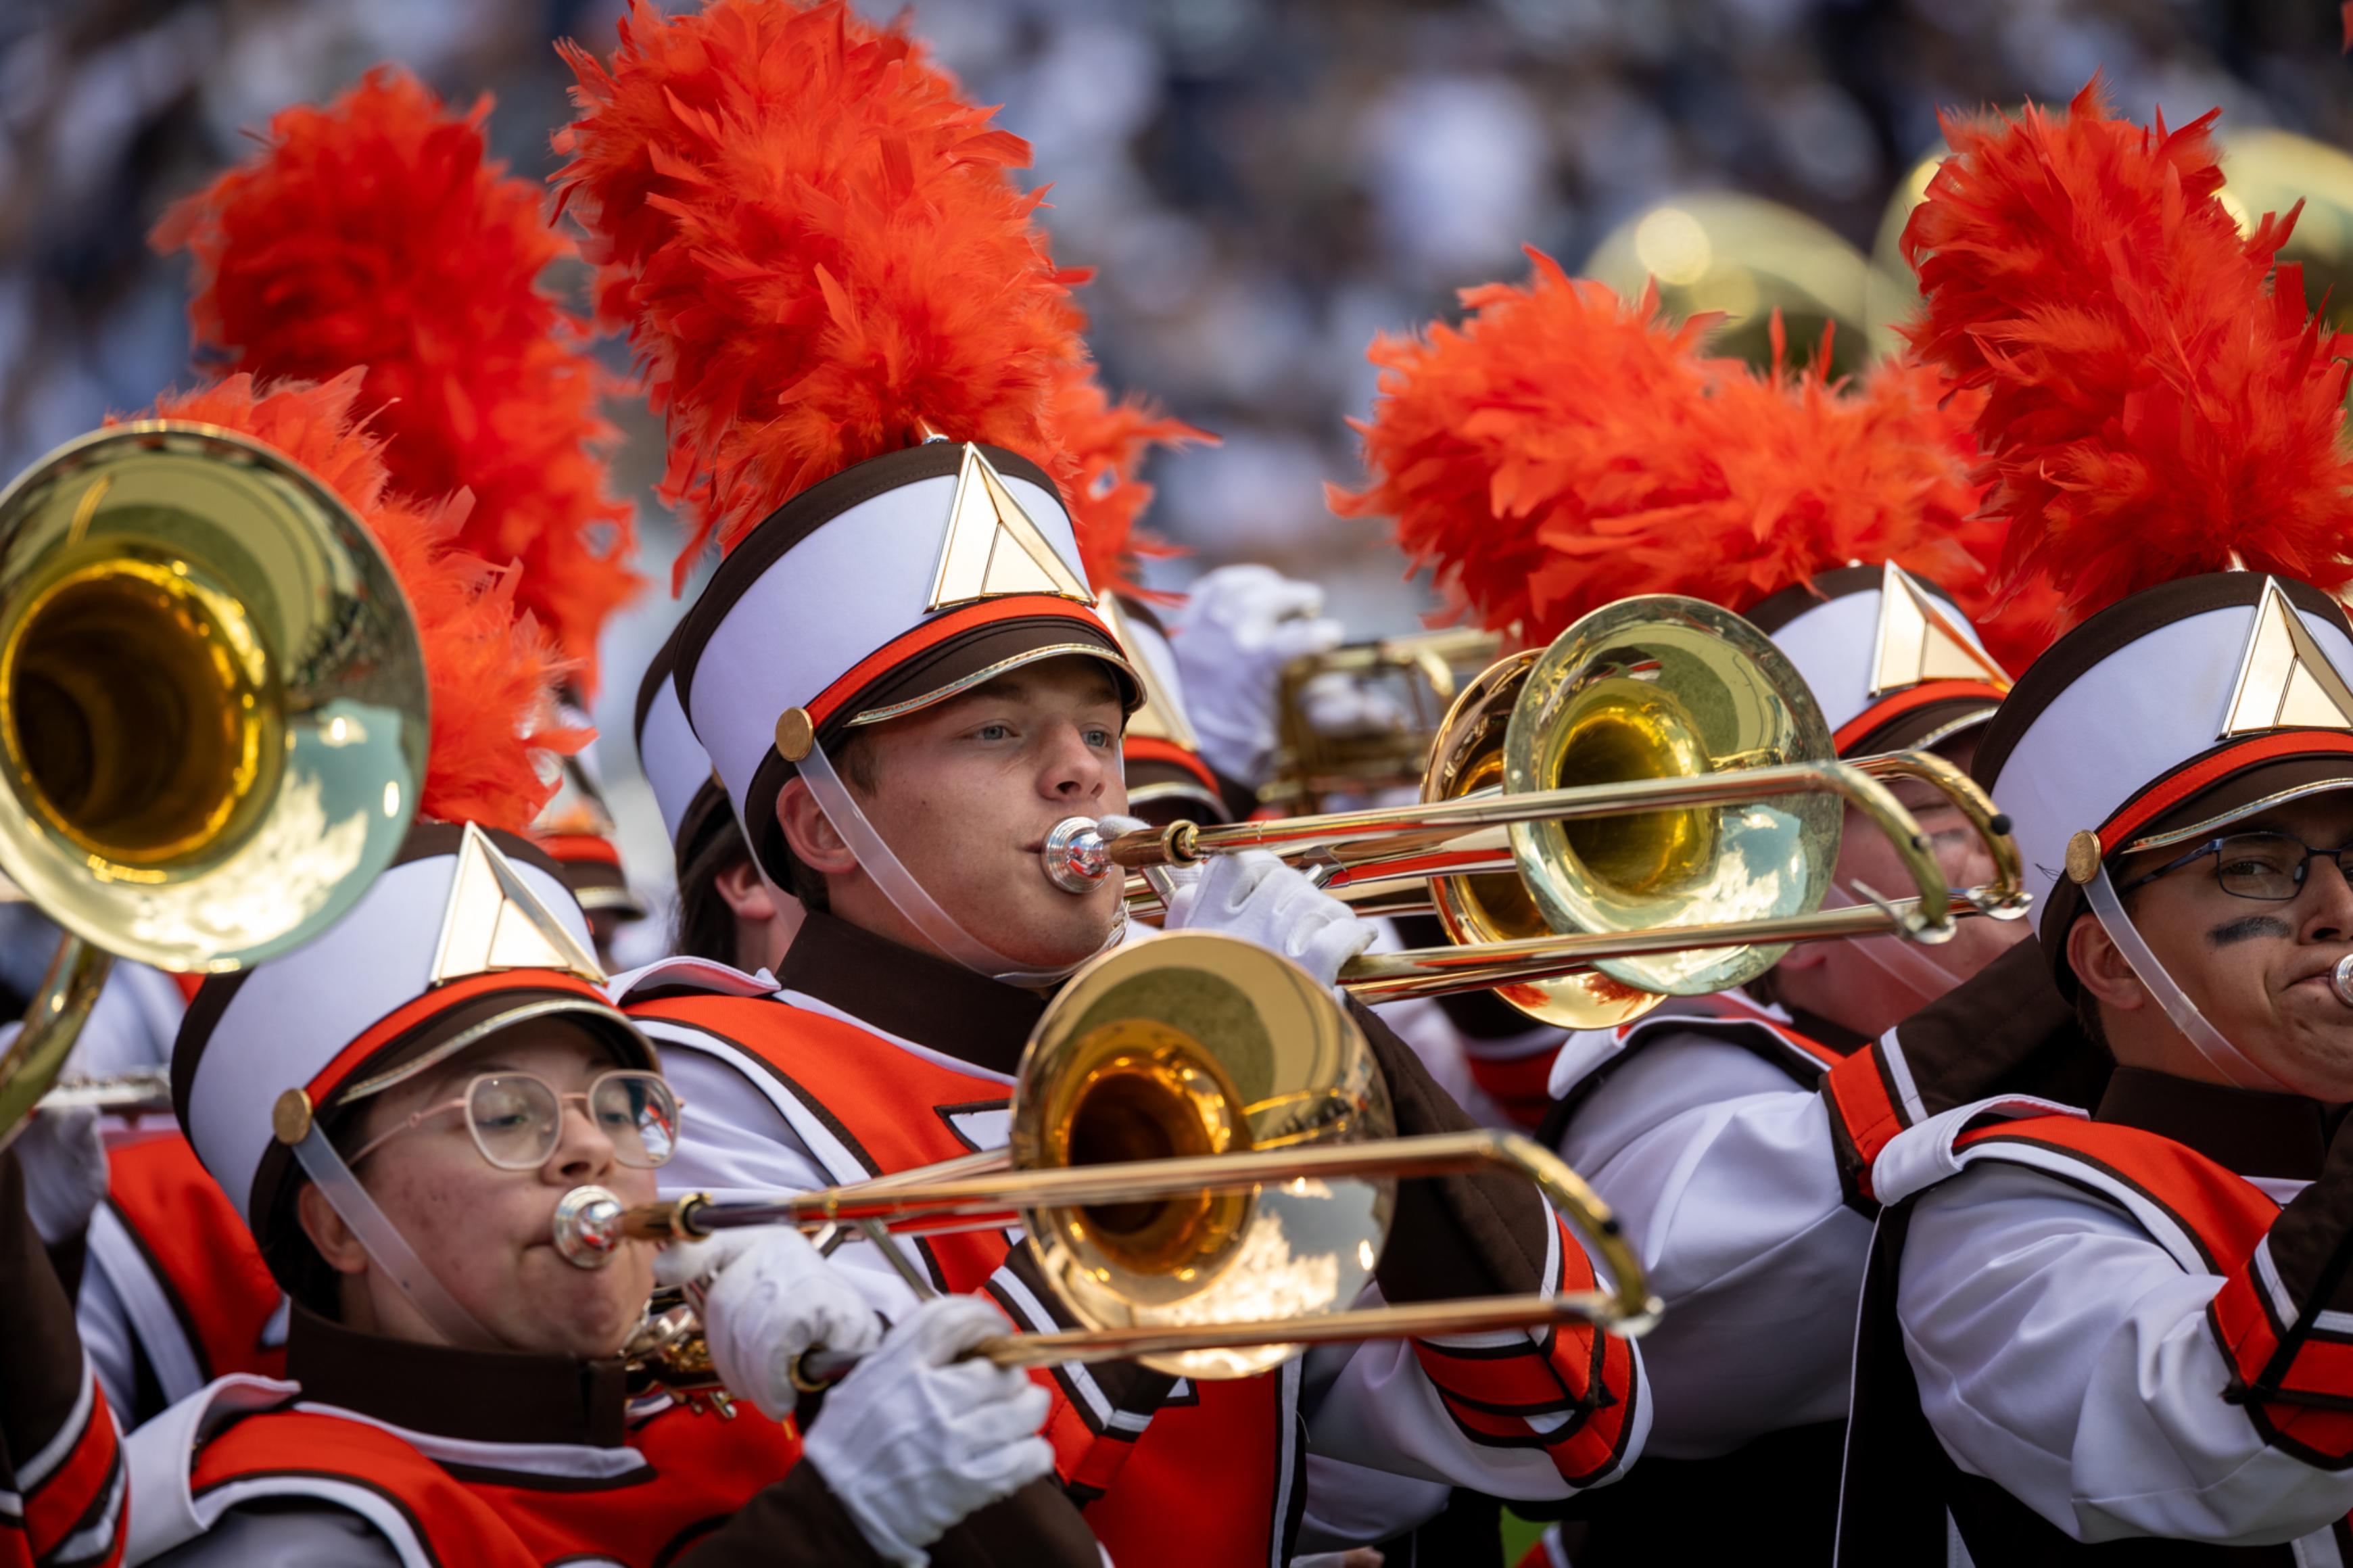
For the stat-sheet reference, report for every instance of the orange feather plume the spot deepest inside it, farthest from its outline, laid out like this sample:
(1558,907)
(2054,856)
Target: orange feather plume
(490,670)
(1105,443)
(816,249)
(374,233)
(2156,406)
(1561,450)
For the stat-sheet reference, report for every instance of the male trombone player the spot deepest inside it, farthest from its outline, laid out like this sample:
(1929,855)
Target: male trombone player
(902,679)
(1643,465)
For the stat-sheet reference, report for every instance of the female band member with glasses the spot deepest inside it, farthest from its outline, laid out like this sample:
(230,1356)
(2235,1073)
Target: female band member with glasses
(399,1108)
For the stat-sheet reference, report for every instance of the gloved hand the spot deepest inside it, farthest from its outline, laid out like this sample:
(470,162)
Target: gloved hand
(1337,703)
(64,1171)
(1254,896)
(1239,626)
(913,1440)
(765,1296)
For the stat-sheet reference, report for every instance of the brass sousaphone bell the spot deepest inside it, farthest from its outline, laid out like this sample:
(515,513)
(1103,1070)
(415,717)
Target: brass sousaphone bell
(212,714)
(1203,1156)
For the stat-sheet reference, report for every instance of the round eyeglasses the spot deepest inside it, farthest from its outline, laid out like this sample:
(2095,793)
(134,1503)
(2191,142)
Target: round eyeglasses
(2265,865)
(517,1118)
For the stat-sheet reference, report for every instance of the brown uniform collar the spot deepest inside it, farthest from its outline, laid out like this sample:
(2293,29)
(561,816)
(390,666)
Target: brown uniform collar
(481,1396)
(2252,1133)
(914,995)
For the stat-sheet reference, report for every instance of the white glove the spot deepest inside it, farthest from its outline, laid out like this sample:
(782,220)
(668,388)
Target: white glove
(765,1296)
(64,1171)
(1337,703)
(1254,896)
(913,1440)
(1239,625)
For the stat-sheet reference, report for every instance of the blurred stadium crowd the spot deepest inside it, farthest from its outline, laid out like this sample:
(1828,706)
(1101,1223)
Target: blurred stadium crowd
(1262,184)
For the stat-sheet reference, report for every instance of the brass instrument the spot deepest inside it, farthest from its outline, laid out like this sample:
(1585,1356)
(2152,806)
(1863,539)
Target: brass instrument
(1417,677)
(1746,258)
(1203,1157)
(1648,808)
(2266,170)
(145,1092)
(212,714)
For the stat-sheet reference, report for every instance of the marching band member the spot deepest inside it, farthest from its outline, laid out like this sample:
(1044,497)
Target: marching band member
(1508,474)
(901,674)
(2084,1331)
(473,1409)
(727,911)
(455,1391)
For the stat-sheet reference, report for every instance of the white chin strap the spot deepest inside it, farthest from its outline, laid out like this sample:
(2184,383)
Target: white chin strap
(1907,963)
(2220,1054)
(386,1247)
(907,895)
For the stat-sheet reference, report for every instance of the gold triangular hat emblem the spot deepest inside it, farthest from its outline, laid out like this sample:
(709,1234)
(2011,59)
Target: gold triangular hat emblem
(1161,717)
(1920,641)
(494,921)
(2285,682)
(993,548)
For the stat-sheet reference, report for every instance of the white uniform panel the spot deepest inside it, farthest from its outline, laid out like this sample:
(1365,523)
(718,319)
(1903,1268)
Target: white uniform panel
(2064,1356)
(1723,1172)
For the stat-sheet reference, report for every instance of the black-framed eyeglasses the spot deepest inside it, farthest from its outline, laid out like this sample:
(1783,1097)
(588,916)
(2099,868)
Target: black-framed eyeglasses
(2265,865)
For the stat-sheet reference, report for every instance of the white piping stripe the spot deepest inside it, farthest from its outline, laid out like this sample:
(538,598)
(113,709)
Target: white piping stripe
(368,1503)
(1286,1452)
(1891,1053)
(115,1254)
(35,1471)
(572,1461)
(94,1539)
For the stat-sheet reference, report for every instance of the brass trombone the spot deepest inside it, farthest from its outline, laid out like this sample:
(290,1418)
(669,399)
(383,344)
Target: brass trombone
(1202,1155)
(212,714)
(1649,807)
(1416,676)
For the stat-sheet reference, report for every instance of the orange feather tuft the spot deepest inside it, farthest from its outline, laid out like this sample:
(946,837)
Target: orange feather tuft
(490,670)
(1560,451)
(2154,406)
(374,233)
(1105,443)
(816,246)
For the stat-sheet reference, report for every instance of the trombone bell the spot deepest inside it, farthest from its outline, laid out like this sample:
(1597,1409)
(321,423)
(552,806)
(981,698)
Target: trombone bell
(1670,687)
(212,698)
(1195,1045)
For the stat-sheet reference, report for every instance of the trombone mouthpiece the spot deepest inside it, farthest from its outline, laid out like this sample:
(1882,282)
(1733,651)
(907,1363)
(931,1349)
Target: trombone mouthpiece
(2342,980)
(588,1226)
(1076,859)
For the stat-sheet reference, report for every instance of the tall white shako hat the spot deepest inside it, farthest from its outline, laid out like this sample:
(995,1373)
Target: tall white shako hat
(1895,664)
(693,802)
(469,933)
(1562,449)
(855,355)
(2160,408)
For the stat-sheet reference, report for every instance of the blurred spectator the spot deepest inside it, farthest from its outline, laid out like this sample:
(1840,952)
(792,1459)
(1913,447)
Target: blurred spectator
(1263,183)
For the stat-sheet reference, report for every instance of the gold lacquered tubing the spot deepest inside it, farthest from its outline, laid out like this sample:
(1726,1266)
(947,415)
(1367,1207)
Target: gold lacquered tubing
(1442,970)
(52,1024)
(1417,829)
(910,1207)
(1479,966)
